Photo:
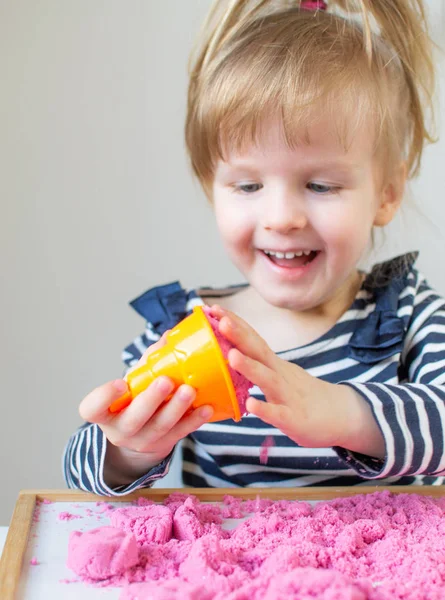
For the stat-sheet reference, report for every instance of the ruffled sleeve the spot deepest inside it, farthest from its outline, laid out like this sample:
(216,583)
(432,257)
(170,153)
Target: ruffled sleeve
(162,308)
(381,334)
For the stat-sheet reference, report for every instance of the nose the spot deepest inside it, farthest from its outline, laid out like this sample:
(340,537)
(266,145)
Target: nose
(284,212)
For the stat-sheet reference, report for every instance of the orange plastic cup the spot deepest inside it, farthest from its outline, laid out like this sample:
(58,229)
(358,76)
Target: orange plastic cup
(192,355)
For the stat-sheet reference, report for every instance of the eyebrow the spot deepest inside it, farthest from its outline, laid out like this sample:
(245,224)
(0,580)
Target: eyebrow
(328,165)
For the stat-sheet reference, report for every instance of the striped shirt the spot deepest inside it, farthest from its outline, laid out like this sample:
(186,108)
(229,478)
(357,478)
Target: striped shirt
(389,346)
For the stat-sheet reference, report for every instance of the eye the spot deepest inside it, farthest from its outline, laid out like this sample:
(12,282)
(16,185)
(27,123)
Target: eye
(321,188)
(248,188)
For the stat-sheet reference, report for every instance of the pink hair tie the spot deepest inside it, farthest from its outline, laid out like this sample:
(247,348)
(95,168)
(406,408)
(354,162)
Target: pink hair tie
(313,5)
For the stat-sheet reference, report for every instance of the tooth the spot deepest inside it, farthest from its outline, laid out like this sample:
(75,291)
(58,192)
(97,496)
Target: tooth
(289,254)
(279,254)
(307,252)
(299,253)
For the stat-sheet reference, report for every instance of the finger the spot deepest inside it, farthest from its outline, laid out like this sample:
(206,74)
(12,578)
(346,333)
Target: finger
(156,346)
(278,415)
(186,425)
(273,414)
(161,422)
(191,422)
(94,407)
(264,377)
(143,407)
(153,348)
(217,311)
(244,337)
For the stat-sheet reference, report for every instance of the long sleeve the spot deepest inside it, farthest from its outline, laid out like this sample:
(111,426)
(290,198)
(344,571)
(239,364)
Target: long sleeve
(83,464)
(411,412)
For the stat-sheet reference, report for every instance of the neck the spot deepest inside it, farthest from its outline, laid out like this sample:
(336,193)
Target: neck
(328,311)
(284,328)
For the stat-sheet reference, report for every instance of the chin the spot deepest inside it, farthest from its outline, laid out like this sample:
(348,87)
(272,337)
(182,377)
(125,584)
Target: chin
(288,303)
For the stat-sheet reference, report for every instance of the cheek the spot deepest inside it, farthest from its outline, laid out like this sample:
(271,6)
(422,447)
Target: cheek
(346,228)
(234,224)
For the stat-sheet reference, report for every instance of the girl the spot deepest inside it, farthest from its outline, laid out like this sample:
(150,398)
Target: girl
(304,122)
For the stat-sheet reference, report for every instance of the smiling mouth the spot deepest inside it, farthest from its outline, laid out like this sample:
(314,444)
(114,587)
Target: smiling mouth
(291,260)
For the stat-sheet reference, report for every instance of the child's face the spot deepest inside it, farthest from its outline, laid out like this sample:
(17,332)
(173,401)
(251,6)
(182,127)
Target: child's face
(315,204)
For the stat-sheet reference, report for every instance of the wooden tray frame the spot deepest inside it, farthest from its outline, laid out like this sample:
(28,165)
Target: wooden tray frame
(18,533)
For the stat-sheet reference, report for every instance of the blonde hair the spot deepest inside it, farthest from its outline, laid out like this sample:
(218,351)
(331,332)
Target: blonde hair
(367,63)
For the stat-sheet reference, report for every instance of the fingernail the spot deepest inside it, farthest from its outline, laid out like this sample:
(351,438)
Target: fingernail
(120,386)
(217,308)
(186,395)
(164,385)
(206,412)
(230,323)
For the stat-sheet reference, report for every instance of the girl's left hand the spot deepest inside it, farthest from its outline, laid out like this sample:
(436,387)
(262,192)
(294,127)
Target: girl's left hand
(312,412)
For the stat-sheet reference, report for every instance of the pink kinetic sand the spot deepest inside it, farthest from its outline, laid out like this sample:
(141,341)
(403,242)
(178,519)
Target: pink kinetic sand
(66,516)
(378,546)
(102,553)
(151,523)
(241,384)
(169,590)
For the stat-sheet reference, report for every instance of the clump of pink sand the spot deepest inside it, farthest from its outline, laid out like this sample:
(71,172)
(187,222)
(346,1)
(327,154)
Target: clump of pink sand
(169,590)
(241,384)
(378,546)
(102,553)
(152,523)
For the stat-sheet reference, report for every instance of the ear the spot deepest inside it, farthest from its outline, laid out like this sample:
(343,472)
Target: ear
(391,196)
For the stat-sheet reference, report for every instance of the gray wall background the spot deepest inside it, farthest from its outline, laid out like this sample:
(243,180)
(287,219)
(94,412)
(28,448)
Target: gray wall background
(98,205)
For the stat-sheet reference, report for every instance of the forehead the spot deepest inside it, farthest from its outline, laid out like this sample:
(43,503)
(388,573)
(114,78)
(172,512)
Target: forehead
(324,140)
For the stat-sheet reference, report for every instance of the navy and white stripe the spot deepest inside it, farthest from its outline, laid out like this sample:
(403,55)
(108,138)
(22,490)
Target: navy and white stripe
(389,346)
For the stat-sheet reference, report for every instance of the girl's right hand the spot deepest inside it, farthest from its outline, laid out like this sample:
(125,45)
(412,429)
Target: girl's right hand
(147,430)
